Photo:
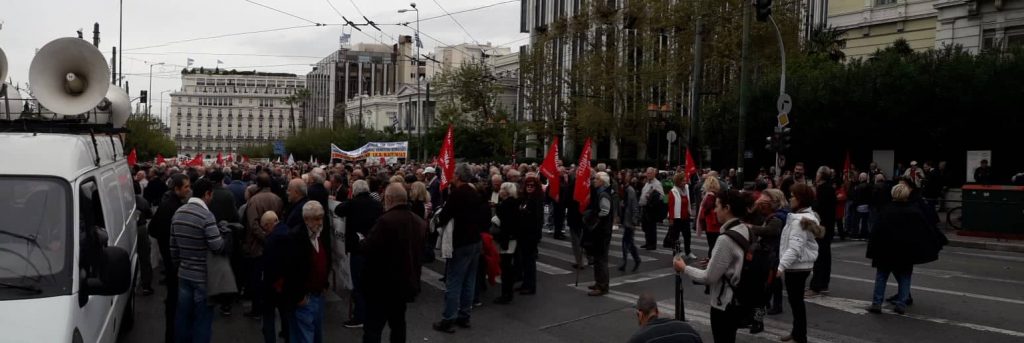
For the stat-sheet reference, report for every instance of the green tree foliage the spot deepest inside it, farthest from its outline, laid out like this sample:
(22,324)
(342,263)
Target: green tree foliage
(468,99)
(145,137)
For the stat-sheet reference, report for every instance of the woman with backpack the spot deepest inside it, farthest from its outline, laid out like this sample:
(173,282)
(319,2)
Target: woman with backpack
(798,250)
(724,268)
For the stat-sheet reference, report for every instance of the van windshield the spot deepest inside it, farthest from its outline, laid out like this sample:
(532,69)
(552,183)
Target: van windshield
(35,237)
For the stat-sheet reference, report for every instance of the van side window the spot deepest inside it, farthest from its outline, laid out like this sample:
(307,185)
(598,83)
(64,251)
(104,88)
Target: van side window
(92,227)
(89,206)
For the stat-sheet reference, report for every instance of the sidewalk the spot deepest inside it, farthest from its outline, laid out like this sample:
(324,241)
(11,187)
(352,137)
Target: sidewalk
(985,243)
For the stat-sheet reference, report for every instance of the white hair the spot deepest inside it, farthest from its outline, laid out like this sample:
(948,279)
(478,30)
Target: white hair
(312,209)
(510,188)
(605,179)
(360,187)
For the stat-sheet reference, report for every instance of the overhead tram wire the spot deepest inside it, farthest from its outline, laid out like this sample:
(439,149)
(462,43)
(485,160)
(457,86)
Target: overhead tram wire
(283,12)
(224,36)
(461,11)
(456,22)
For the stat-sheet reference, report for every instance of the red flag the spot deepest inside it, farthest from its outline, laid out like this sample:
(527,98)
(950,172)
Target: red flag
(220,161)
(245,159)
(550,170)
(691,167)
(582,192)
(231,158)
(447,157)
(847,166)
(196,162)
(132,159)
(160,159)
(383,161)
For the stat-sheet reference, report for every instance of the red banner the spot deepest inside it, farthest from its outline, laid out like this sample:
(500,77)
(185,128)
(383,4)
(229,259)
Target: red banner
(132,159)
(196,162)
(447,158)
(550,169)
(582,192)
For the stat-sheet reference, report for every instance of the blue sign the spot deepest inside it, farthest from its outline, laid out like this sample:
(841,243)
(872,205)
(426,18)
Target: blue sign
(279,148)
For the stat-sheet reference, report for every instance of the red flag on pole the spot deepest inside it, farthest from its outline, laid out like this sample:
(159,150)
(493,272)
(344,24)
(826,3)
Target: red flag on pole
(160,159)
(196,162)
(447,157)
(132,159)
(245,159)
(550,169)
(847,166)
(220,161)
(582,192)
(691,167)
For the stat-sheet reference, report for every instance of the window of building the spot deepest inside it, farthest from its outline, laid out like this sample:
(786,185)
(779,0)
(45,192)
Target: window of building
(1014,36)
(884,2)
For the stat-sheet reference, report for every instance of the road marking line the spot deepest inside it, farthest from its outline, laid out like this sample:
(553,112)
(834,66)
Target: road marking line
(940,273)
(936,290)
(637,278)
(430,277)
(572,259)
(858,307)
(998,257)
(551,270)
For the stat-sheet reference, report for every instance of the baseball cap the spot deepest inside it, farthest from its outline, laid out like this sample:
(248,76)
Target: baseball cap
(428,170)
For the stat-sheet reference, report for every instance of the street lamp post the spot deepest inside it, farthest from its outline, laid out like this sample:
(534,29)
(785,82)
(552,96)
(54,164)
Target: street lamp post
(361,97)
(162,107)
(419,104)
(150,89)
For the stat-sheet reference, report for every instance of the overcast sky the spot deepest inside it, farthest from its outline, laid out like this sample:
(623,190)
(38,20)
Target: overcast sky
(151,28)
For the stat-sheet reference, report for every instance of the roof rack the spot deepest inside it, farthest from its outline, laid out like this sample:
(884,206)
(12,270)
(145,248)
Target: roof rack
(33,120)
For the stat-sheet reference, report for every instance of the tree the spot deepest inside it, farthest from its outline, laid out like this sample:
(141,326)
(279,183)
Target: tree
(145,137)
(827,41)
(299,97)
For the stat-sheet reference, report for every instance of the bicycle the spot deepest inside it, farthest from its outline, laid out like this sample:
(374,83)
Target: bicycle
(954,218)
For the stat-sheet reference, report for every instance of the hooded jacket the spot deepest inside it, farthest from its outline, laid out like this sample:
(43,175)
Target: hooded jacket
(797,248)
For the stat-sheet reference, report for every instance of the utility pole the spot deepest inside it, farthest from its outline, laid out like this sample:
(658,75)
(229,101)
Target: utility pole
(744,91)
(120,40)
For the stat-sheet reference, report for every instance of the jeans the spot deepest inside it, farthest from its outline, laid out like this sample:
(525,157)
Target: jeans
(269,318)
(861,225)
(823,265)
(650,229)
(306,322)
(194,317)
(558,217)
(528,264)
(902,279)
(509,273)
(460,282)
(384,311)
(601,277)
(712,238)
(679,227)
(724,324)
(357,265)
(628,247)
(795,282)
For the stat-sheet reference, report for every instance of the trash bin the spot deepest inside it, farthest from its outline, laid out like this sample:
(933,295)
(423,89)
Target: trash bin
(993,208)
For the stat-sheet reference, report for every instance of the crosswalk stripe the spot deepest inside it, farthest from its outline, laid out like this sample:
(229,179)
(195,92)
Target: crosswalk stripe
(858,307)
(637,278)
(937,290)
(432,278)
(551,270)
(572,259)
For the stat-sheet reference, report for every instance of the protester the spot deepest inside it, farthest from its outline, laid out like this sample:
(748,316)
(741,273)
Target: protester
(460,276)
(531,210)
(707,219)
(507,236)
(194,233)
(253,242)
(160,229)
(307,263)
(630,218)
(770,211)
(558,207)
(824,206)
(360,214)
(724,267)
(679,214)
(269,272)
(655,329)
(393,249)
(798,250)
(647,198)
(901,239)
(598,236)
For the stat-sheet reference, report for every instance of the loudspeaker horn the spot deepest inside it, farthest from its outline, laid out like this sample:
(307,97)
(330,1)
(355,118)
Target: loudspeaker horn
(69,76)
(3,66)
(116,105)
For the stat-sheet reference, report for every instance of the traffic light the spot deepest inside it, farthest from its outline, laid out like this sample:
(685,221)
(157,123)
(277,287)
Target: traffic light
(785,137)
(764,9)
(143,95)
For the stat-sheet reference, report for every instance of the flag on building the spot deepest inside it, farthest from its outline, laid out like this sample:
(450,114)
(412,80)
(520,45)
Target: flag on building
(582,192)
(132,159)
(447,159)
(189,63)
(550,169)
(219,62)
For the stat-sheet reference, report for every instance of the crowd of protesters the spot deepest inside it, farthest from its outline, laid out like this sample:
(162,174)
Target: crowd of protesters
(280,236)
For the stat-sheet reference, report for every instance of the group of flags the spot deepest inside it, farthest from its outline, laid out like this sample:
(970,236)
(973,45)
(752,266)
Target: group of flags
(196,161)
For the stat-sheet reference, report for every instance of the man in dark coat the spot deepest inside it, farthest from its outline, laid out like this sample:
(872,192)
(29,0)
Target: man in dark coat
(160,229)
(462,206)
(307,264)
(393,250)
(360,214)
(223,203)
(825,207)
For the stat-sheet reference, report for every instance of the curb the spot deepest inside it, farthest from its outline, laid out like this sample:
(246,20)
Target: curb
(994,246)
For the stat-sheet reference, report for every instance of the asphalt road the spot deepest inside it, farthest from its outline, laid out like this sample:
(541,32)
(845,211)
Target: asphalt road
(966,296)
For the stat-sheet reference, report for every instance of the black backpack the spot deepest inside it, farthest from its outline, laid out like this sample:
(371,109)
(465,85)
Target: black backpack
(657,209)
(755,275)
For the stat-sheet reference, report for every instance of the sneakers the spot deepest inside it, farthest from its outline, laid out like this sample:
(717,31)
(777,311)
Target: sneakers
(446,326)
(353,324)
(875,308)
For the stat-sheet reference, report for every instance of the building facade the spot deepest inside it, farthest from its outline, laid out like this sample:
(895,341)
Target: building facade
(980,25)
(224,111)
(342,76)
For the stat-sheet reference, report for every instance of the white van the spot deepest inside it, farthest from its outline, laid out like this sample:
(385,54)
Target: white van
(67,237)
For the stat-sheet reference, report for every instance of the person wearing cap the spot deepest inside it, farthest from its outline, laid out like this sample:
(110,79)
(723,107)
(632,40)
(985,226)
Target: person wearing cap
(433,187)
(654,329)
(914,174)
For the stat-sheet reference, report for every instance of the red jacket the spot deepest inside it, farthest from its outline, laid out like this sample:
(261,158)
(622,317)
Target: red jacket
(491,256)
(678,204)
